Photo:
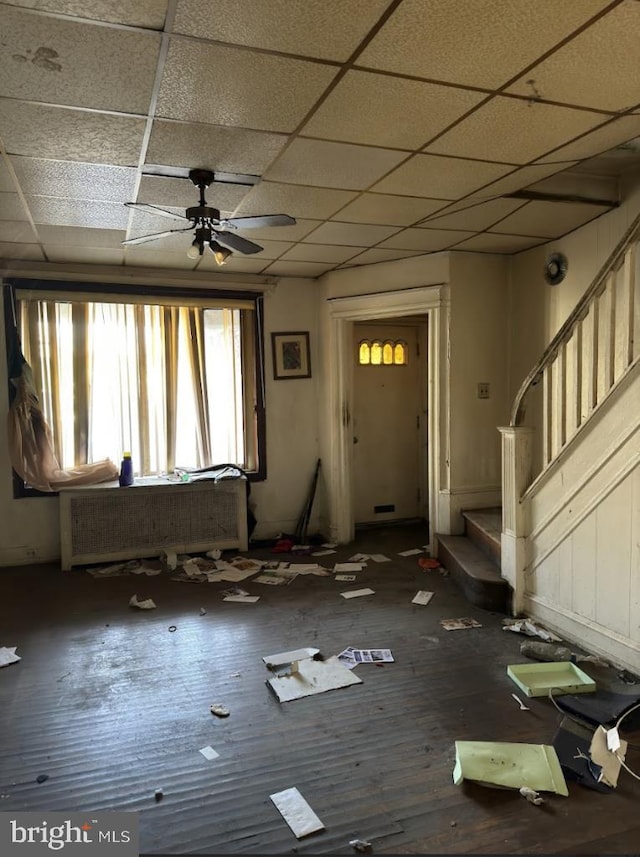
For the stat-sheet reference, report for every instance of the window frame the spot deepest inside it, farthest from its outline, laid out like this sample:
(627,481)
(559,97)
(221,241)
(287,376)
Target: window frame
(50,288)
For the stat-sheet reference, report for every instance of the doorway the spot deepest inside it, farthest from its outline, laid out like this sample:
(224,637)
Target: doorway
(389,421)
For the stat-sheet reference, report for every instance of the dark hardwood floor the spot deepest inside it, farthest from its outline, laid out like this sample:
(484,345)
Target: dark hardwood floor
(111,706)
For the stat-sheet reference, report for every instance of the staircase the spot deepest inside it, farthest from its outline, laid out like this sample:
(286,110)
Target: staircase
(473,559)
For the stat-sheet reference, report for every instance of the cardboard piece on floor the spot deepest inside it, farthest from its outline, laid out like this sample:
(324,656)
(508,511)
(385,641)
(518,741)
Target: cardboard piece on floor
(8,656)
(507,765)
(296,812)
(356,593)
(607,760)
(209,753)
(312,677)
(572,742)
(242,599)
(422,597)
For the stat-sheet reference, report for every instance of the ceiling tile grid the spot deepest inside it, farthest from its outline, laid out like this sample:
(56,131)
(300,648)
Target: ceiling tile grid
(386,129)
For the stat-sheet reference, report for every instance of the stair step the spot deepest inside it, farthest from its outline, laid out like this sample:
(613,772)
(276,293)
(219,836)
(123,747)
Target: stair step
(484,528)
(478,577)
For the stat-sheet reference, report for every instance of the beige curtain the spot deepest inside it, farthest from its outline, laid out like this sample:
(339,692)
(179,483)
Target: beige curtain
(193,319)
(171,330)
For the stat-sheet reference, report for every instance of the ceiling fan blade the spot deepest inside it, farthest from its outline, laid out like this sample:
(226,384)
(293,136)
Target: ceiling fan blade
(237,242)
(154,209)
(142,239)
(257,222)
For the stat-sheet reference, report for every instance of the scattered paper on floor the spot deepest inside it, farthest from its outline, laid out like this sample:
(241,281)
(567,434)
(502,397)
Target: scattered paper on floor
(422,597)
(379,557)
(348,566)
(359,557)
(459,624)
(209,753)
(324,552)
(346,658)
(273,579)
(411,552)
(347,577)
(372,656)
(312,677)
(235,574)
(531,629)
(145,604)
(8,656)
(296,812)
(509,765)
(356,593)
(242,599)
(607,760)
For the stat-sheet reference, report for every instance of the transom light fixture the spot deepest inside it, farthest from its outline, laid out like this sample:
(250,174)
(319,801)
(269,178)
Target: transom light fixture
(204,237)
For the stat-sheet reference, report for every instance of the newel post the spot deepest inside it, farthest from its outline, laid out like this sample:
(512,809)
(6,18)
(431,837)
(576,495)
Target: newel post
(516,478)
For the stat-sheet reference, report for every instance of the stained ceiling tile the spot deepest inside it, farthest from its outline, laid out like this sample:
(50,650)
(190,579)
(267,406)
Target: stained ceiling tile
(488,242)
(88,255)
(74,180)
(388,210)
(475,43)
(320,253)
(340,165)
(600,68)
(216,147)
(53,60)
(514,131)
(377,254)
(519,179)
(182,194)
(427,240)
(330,29)
(352,234)
(19,231)
(72,212)
(408,113)
(77,236)
(297,269)
(316,203)
(43,131)
(25,252)
(549,219)
(158,258)
(614,134)
(235,264)
(142,13)
(440,177)
(478,217)
(220,85)
(11,207)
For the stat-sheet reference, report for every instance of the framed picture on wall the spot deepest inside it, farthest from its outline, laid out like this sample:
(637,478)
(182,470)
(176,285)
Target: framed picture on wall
(291,355)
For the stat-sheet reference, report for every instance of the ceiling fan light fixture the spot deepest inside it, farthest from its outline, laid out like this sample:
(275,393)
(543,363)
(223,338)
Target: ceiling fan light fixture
(220,253)
(197,248)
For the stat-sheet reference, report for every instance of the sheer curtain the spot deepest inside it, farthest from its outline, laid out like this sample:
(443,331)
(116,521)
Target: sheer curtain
(115,377)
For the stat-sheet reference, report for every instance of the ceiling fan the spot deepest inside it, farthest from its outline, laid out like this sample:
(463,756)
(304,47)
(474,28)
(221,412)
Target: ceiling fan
(210,230)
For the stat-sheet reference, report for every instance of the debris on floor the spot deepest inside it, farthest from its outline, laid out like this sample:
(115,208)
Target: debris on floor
(357,593)
(348,578)
(460,624)
(158,795)
(296,812)
(8,655)
(411,552)
(509,765)
(281,659)
(608,752)
(359,557)
(626,677)
(209,753)
(364,656)
(572,743)
(242,599)
(532,796)
(203,611)
(379,557)
(523,707)
(545,651)
(42,778)
(550,677)
(145,604)
(219,710)
(428,563)
(422,597)
(348,566)
(531,629)
(324,552)
(360,845)
(307,676)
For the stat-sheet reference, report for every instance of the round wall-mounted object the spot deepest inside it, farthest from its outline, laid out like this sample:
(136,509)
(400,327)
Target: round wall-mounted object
(555,268)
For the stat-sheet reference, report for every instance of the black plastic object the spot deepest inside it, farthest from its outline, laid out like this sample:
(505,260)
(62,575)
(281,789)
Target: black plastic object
(571,743)
(600,707)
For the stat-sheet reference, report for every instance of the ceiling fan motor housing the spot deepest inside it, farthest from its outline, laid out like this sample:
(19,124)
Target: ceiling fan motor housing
(203,212)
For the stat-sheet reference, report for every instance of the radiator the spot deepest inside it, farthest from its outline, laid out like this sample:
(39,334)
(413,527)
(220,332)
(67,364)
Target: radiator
(99,524)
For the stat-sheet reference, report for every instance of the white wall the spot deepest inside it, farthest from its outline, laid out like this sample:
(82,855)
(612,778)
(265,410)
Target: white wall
(29,528)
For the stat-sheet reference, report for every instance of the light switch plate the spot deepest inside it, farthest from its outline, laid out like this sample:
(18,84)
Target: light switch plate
(483,391)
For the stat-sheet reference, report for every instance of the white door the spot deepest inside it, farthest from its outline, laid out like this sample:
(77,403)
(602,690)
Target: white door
(386,423)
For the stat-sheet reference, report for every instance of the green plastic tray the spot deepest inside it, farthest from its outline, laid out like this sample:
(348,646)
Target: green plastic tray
(559,677)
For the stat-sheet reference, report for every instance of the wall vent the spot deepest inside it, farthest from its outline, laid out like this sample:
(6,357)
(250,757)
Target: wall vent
(100,524)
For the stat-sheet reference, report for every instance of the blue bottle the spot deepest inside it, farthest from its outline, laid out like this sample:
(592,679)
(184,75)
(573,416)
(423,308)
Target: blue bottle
(126,470)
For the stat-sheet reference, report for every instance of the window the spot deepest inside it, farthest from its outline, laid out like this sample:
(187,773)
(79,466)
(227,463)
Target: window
(174,378)
(387,353)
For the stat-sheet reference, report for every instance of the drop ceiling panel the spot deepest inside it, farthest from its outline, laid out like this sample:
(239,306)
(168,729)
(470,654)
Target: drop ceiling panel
(340,165)
(478,217)
(72,212)
(315,203)
(427,240)
(182,194)
(549,219)
(443,178)
(423,37)
(86,255)
(74,180)
(77,236)
(19,231)
(407,114)
(26,252)
(158,258)
(217,147)
(514,131)
(56,61)
(235,264)
(376,254)
(330,29)
(613,134)
(43,131)
(518,179)
(293,233)
(141,13)
(600,68)
(228,86)
(11,207)
(386,209)
(296,269)
(320,253)
(6,182)
(352,234)
(270,249)
(489,243)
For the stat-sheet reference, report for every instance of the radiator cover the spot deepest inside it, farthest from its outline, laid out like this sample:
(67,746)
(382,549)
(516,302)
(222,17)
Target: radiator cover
(99,524)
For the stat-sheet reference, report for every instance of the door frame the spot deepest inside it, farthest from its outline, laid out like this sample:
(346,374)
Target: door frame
(342,313)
